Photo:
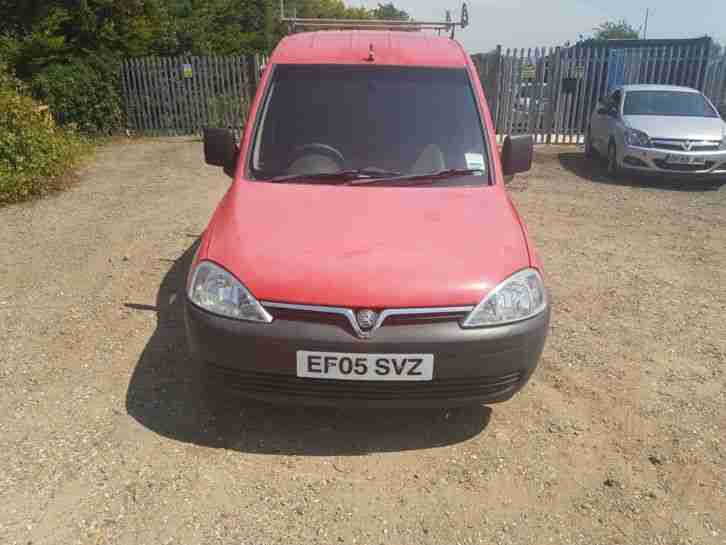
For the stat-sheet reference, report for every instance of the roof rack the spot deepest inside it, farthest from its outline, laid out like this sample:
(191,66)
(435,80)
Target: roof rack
(297,24)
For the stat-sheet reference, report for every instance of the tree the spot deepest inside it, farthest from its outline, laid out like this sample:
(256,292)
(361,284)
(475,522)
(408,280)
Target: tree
(323,9)
(389,11)
(61,30)
(615,30)
(37,33)
(222,27)
(70,51)
(332,9)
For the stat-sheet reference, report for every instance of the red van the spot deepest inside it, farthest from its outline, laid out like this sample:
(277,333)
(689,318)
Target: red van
(367,252)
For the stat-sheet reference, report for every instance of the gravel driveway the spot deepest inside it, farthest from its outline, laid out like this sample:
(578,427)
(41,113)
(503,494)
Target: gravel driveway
(619,438)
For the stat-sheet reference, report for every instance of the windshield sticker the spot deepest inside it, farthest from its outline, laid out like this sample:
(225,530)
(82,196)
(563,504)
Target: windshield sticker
(475,161)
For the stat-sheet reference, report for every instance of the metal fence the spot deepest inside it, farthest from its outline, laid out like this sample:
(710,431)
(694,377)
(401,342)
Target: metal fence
(551,93)
(181,95)
(715,82)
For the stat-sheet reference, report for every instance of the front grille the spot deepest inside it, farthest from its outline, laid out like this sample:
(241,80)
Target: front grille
(291,386)
(298,315)
(429,318)
(683,168)
(677,145)
(322,317)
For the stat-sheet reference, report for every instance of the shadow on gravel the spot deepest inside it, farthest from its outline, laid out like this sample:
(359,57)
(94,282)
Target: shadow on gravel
(165,396)
(594,171)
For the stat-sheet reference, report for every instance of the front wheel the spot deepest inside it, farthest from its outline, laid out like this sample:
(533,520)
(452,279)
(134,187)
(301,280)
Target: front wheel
(613,168)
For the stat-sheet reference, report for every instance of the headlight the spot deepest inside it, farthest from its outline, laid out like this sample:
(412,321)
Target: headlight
(519,297)
(637,138)
(217,291)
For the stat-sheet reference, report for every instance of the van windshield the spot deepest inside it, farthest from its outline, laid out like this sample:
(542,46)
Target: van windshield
(390,120)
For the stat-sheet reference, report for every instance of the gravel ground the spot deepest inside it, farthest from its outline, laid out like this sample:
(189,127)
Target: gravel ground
(619,438)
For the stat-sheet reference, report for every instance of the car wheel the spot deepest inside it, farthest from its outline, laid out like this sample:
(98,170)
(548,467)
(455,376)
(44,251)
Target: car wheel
(613,168)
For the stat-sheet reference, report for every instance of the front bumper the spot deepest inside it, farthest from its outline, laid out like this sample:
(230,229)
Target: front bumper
(485,365)
(655,161)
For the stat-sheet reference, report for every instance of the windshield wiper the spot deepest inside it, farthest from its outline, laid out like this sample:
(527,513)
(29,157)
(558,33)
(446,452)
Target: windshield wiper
(362,174)
(421,179)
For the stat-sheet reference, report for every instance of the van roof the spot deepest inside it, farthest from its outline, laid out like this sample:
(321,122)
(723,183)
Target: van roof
(353,46)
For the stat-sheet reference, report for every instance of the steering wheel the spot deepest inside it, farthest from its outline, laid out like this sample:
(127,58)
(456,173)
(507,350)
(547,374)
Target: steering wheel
(317,148)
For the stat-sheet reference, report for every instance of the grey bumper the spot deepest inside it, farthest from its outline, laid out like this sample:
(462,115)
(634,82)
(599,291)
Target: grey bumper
(655,161)
(485,365)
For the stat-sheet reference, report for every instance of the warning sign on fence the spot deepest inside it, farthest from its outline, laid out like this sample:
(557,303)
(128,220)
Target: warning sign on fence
(187,70)
(529,71)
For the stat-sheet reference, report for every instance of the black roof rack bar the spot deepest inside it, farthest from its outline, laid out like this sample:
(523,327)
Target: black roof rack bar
(297,23)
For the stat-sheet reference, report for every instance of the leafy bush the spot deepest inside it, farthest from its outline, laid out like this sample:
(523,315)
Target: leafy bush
(35,155)
(83,93)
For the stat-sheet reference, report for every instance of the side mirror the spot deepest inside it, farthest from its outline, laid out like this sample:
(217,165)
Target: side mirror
(517,153)
(602,111)
(220,149)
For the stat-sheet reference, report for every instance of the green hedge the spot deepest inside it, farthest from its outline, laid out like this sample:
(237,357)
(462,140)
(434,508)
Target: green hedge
(35,155)
(82,93)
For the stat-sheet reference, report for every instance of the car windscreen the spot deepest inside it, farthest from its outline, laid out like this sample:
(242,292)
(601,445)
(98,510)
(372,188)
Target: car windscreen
(667,103)
(402,120)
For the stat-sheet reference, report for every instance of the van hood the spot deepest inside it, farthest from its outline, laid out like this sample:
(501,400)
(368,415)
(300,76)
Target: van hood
(377,247)
(677,128)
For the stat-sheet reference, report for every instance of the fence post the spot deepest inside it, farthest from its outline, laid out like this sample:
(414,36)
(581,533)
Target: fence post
(689,62)
(601,76)
(157,95)
(540,73)
(702,64)
(568,95)
(245,87)
(144,95)
(588,85)
(504,92)
(495,82)
(554,84)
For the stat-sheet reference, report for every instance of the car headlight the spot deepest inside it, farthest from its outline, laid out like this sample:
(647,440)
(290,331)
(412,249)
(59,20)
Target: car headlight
(519,297)
(637,138)
(217,291)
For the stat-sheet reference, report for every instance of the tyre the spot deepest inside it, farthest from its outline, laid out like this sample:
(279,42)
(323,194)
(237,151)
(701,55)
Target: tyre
(613,169)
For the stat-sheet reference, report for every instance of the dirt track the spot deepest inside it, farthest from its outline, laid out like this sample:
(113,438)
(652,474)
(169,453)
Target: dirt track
(619,438)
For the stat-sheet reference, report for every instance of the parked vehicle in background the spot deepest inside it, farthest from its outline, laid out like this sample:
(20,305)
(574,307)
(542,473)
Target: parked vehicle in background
(659,129)
(367,252)
(530,107)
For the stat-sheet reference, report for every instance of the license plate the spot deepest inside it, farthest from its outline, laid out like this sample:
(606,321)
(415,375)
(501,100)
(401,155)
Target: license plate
(685,160)
(355,366)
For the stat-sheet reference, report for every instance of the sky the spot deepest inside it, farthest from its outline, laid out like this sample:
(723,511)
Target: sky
(545,23)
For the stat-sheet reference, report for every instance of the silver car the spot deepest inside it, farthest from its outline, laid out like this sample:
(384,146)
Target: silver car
(659,129)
